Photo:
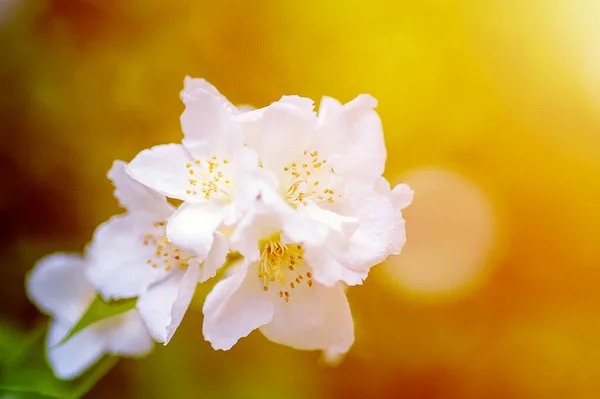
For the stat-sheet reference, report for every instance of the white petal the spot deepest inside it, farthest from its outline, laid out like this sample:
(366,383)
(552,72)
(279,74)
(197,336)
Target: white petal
(235,307)
(163,306)
(260,221)
(76,355)
(402,195)
(304,103)
(247,185)
(250,115)
(327,270)
(251,119)
(191,86)
(334,356)
(345,225)
(285,132)
(296,225)
(209,125)
(269,179)
(380,229)
(328,108)
(250,124)
(270,215)
(58,287)
(192,226)
(134,196)
(242,109)
(215,259)
(354,132)
(127,335)
(314,318)
(163,168)
(117,257)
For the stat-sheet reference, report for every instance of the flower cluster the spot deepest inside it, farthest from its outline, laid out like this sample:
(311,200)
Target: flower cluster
(299,197)
(59,287)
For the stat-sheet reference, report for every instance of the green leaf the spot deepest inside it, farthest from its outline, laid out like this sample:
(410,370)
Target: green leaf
(14,345)
(39,381)
(28,376)
(100,310)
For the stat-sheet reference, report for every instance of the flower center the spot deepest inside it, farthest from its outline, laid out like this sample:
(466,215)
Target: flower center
(283,264)
(166,254)
(209,178)
(310,180)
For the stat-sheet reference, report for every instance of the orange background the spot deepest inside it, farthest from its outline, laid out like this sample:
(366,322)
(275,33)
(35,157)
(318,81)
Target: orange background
(491,110)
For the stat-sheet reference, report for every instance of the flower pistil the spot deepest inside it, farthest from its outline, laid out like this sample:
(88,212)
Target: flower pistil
(210,179)
(282,263)
(167,255)
(310,180)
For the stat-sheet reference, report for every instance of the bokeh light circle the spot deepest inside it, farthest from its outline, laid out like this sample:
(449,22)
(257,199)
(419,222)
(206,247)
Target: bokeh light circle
(451,231)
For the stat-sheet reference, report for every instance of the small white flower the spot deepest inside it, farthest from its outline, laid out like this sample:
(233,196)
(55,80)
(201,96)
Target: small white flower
(211,171)
(58,287)
(273,289)
(327,168)
(325,216)
(311,155)
(130,256)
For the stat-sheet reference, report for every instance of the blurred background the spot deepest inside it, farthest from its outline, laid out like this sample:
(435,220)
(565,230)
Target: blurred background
(491,111)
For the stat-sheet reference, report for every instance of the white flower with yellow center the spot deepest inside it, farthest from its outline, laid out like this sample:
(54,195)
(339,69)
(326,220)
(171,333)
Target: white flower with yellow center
(325,216)
(274,289)
(130,256)
(212,172)
(324,174)
(58,287)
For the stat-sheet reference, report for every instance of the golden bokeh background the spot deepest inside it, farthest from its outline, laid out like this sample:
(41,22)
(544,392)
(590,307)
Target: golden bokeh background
(491,110)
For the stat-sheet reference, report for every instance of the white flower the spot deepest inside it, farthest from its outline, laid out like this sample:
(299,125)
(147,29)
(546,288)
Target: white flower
(327,170)
(59,288)
(324,217)
(130,256)
(273,289)
(301,148)
(211,171)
